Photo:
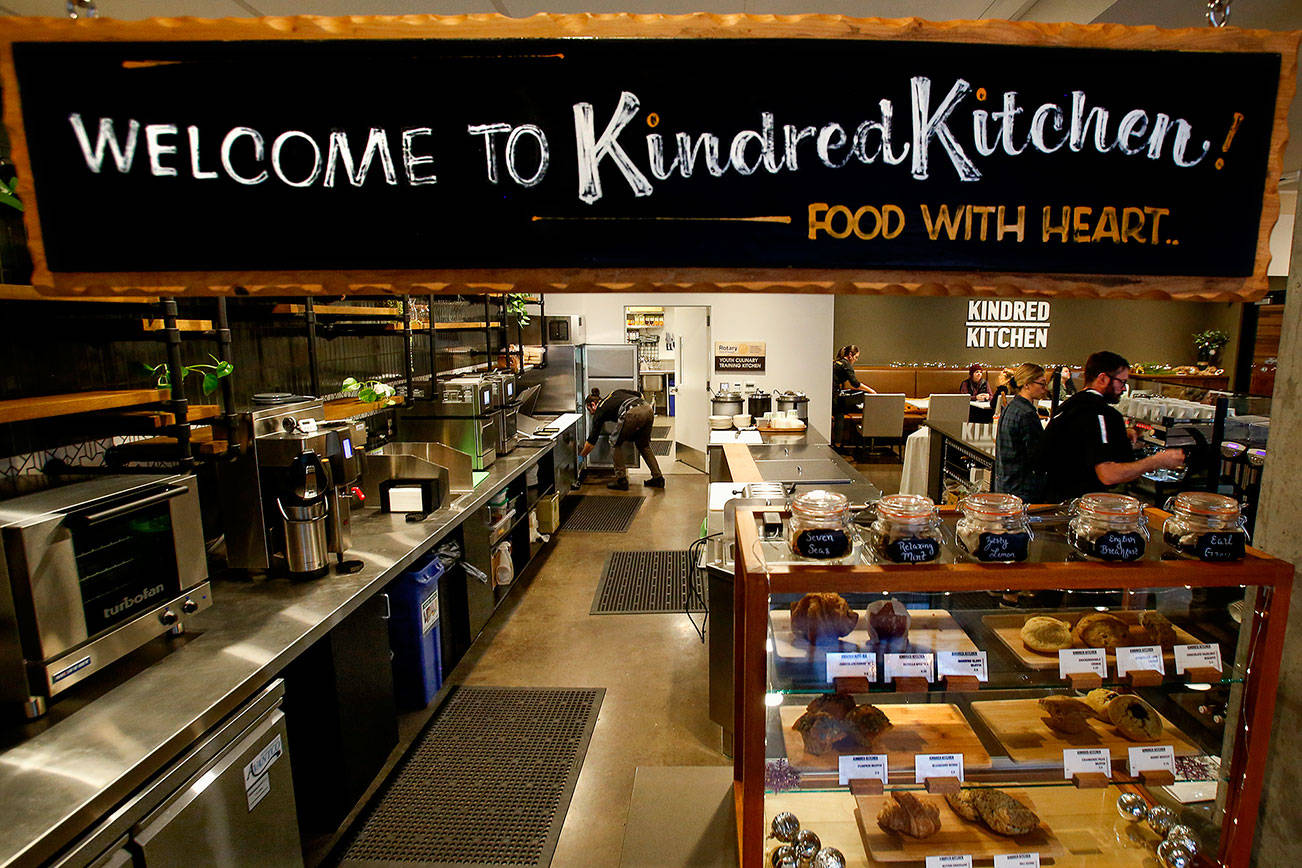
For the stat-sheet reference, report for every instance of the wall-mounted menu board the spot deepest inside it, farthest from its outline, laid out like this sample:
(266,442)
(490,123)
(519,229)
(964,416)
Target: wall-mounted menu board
(227,153)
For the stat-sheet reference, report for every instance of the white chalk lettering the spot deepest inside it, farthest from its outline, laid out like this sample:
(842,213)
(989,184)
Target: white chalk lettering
(592,150)
(410,161)
(156,149)
(377,143)
(123,154)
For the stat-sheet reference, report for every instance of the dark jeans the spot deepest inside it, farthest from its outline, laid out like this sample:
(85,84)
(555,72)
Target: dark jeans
(635,426)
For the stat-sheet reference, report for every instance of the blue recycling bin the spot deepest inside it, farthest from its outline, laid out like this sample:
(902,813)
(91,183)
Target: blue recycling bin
(414,634)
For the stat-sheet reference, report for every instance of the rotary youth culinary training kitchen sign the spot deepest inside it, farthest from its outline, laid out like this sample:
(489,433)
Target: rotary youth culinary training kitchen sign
(224,148)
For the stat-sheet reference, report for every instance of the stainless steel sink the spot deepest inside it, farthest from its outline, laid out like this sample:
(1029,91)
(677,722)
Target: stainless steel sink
(813,470)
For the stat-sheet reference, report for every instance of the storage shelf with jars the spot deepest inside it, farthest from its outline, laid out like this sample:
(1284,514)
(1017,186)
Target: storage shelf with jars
(1082,692)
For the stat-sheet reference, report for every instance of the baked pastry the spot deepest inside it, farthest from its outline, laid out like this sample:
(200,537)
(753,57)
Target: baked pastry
(838,705)
(823,617)
(909,815)
(1003,814)
(964,805)
(1101,630)
(820,731)
(1046,635)
(1158,629)
(1134,718)
(1098,699)
(865,723)
(1066,714)
(888,620)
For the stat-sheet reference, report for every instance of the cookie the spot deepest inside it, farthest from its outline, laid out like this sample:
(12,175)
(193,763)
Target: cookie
(1066,714)
(963,804)
(1046,635)
(1098,699)
(1003,814)
(1134,718)
(1158,630)
(1101,630)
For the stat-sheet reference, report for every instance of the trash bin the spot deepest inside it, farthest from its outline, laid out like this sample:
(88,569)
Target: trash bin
(414,634)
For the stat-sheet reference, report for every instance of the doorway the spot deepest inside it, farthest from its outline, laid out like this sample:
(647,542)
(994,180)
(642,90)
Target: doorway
(674,353)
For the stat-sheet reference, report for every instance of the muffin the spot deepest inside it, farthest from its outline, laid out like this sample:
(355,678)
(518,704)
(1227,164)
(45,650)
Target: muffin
(822,618)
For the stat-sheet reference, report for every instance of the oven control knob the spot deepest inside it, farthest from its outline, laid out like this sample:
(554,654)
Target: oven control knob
(167,617)
(189,607)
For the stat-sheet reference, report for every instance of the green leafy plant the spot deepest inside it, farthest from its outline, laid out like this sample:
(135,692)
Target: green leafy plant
(212,374)
(370,391)
(1210,341)
(8,194)
(515,306)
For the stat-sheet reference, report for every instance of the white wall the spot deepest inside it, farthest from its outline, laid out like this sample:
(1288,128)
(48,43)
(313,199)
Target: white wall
(796,329)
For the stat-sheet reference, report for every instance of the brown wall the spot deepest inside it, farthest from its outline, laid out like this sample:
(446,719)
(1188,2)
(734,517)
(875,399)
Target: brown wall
(903,329)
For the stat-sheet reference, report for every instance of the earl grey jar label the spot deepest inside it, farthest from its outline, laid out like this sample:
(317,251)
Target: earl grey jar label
(1116,545)
(913,550)
(1221,546)
(823,543)
(1002,546)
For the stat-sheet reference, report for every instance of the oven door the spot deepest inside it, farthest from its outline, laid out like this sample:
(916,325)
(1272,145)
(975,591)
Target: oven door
(98,566)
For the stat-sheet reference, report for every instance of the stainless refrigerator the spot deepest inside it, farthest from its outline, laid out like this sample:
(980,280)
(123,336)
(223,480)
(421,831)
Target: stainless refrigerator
(609,367)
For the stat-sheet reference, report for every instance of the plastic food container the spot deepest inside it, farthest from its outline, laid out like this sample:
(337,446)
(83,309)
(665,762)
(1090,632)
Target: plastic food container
(1108,527)
(820,527)
(993,528)
(907,530)
(1206,527)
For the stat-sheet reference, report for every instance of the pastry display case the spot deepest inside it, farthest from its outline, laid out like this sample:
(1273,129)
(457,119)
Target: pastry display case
(1048,710)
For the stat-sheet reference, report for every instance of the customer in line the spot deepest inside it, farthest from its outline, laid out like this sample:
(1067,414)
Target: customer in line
(976,383)
(1017,445)
(845,380)
(633,417)
(1086,447)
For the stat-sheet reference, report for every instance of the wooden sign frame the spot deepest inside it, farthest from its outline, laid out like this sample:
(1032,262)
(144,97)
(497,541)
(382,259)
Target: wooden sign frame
(695,26)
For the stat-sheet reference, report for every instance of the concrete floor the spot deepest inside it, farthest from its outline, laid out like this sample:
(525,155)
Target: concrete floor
(653,667)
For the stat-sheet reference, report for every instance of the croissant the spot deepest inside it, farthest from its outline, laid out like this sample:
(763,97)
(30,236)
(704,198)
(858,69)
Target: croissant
(909,815)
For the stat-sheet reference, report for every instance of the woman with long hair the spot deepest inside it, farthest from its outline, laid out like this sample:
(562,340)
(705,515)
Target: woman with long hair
(844,380)
(1017,445)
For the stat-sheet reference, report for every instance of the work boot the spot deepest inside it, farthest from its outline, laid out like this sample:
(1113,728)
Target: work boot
(654,482)
(620,484)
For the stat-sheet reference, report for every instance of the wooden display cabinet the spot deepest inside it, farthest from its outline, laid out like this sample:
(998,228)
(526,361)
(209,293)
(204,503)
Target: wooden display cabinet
(1217,723)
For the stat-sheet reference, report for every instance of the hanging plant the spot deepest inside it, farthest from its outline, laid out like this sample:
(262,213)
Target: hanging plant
(516,307)
(370,391)
(212,374)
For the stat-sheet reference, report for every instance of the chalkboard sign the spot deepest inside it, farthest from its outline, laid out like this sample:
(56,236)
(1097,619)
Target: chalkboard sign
(775,153)
(913,550)
(1227,546)
(1117,545)
(1002,546)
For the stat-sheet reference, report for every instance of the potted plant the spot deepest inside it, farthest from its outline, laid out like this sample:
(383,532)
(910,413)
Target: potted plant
(370,391)
(1209,345)
(212,374)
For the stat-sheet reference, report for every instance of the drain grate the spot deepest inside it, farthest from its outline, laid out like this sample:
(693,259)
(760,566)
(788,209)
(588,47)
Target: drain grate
(602,513)
(640,583)
(487,784)
(661,447)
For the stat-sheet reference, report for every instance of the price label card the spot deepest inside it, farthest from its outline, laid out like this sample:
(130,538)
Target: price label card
(871,766)
(1082,660)
(1085,761)
(937,765)
(963,663)
(852,665)
(1017,860)
(1157,758)
(910,666)
(949,862)
(1139,658)
(1196,657)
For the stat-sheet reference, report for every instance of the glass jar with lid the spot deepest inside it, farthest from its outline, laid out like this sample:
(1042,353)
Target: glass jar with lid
(906,530)
(821,526)
(993,527)
(1108,527)
(1205,526)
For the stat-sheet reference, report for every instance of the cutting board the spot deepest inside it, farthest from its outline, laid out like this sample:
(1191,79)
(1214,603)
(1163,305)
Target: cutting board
(956,835)
(926,727)
(1008,629)
(1019,725)
(930,630)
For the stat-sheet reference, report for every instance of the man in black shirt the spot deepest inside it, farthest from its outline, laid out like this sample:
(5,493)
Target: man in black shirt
(1086,447)
(632,417)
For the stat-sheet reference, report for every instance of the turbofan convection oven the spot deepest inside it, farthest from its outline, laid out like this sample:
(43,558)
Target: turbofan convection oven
(94,570)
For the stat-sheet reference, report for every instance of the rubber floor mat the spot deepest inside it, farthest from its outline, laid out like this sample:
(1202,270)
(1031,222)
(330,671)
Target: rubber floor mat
(603,513)
(661,447)
(643,583)
(487,783)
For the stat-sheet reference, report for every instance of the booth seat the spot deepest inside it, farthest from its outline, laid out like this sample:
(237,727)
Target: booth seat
(922,382)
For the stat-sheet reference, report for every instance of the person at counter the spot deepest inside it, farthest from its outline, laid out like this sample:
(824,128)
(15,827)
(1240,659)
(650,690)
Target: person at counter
(845,380)
(1086,447)
(1017,445)
(633,417)
(976,385)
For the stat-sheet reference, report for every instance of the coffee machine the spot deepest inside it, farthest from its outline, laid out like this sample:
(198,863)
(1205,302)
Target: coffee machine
(462,415)
(272,472)
(507,406)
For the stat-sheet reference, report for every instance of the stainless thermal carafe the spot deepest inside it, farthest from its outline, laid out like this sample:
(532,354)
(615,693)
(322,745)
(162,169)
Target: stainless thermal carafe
(304,508)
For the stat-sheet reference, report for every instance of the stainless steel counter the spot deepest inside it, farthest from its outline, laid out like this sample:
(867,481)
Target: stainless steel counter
(58,783)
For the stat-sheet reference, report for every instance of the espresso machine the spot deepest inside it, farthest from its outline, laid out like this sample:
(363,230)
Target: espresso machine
(273,516)
(463,414)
